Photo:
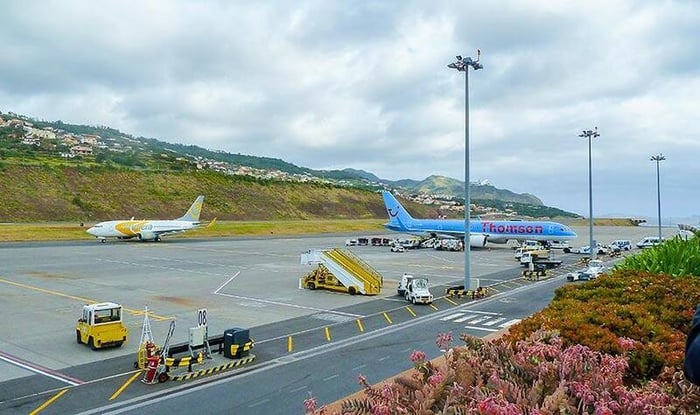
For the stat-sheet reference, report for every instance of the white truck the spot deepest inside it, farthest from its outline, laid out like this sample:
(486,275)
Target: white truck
(595,268)
(415,289)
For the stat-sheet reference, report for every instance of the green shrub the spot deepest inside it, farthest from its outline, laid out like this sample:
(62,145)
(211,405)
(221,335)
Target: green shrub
(675,257)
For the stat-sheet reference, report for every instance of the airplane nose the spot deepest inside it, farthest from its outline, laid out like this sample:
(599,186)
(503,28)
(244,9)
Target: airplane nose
(91,231)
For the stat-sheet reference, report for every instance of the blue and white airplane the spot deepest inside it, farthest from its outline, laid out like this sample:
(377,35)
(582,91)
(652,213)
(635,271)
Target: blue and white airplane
(497,231)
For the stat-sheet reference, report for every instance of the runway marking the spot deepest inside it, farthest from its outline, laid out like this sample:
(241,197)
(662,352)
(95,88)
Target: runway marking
(386,316)
(465,318)
(124,386)
(494,321)
(433,307)
(49,402)
(303,307)
(297,389)
(80,299)
(359,367)
(331,377)
(258,403)
(226,283)
(451,316)
(328,333)
(449,301)
(478,319)
(33,367)
(359,325)
(411,312)
(480,328)
(509,323)
(290,344)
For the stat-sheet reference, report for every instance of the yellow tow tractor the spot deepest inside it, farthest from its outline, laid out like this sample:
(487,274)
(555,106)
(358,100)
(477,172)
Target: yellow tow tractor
(101,325)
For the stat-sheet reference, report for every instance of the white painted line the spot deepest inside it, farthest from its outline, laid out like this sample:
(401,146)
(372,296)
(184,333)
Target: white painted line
(451,316)
(332,377)
(226,283)
(479,320)
(381,359)
(303,307)
(509,323)
(494,321)
(32,367)
(465,318)
(488,313)
(480,328)
(258,403)
(298,389)
(358,367)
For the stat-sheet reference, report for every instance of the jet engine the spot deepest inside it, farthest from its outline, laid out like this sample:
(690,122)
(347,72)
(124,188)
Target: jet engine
(477,241)
(147,236)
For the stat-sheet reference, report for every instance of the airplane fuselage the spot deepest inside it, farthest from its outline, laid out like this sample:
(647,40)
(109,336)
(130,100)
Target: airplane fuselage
(498,231)
(147,229)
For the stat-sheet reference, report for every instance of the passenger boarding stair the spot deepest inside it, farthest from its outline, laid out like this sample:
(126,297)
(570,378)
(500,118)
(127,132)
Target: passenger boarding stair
(340,270)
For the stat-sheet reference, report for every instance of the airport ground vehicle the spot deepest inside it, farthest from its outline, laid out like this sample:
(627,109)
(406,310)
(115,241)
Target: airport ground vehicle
(101,325)
(594,270)
(648,242)
(397,248)
(539,257)
(415,289)
(558,244)
(600,250)
(620,245)
(351,242)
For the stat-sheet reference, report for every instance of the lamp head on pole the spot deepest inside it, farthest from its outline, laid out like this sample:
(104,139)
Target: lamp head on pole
(462,63)
(590,133)
(658,158)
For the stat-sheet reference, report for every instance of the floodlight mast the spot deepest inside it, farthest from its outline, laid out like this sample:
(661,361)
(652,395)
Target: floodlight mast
(657,159)
(462,65)
(590,134)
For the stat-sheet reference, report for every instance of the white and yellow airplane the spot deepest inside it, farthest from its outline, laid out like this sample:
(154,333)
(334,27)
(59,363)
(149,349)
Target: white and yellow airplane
(149,230)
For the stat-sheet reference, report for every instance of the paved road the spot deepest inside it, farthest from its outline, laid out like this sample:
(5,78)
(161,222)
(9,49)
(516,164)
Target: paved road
(47,283)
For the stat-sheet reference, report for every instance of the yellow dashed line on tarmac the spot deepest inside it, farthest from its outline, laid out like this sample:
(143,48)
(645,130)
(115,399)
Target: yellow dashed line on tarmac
(433,307)
(359,325)
(411,312)
(124,386)
(80,299)
(386,316)
(290,344)
(328,333)
(449,301)
(49,402)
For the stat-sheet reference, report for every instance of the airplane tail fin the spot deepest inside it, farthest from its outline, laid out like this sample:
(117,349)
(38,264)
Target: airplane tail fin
(193,212)
(398,217)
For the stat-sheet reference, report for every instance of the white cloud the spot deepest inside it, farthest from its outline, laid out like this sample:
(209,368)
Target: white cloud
(327,84)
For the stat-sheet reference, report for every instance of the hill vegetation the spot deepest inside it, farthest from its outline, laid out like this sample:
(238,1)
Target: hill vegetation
(61,149)
(89,194)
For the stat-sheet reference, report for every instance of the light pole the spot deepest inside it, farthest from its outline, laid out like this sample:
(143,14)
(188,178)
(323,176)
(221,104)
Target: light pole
(657,159)
(590,134)
(462,65)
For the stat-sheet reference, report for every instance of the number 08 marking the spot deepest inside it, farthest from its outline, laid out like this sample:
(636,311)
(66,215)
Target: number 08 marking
(202,317)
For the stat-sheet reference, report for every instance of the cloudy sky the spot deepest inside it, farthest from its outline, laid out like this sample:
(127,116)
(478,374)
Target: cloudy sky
(334,84)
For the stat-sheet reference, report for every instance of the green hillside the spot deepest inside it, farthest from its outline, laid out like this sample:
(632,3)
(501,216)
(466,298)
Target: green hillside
(59,193)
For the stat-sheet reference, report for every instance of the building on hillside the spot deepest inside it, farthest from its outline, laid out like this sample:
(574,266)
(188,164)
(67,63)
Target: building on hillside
(70,140)
(90,139)
(81,150)
(39,133)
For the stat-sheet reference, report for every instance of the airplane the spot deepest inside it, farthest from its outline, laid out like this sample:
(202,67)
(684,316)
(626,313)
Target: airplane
(497,231)
(149,230)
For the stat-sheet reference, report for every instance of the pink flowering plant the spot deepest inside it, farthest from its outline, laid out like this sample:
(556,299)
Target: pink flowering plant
(537,375)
